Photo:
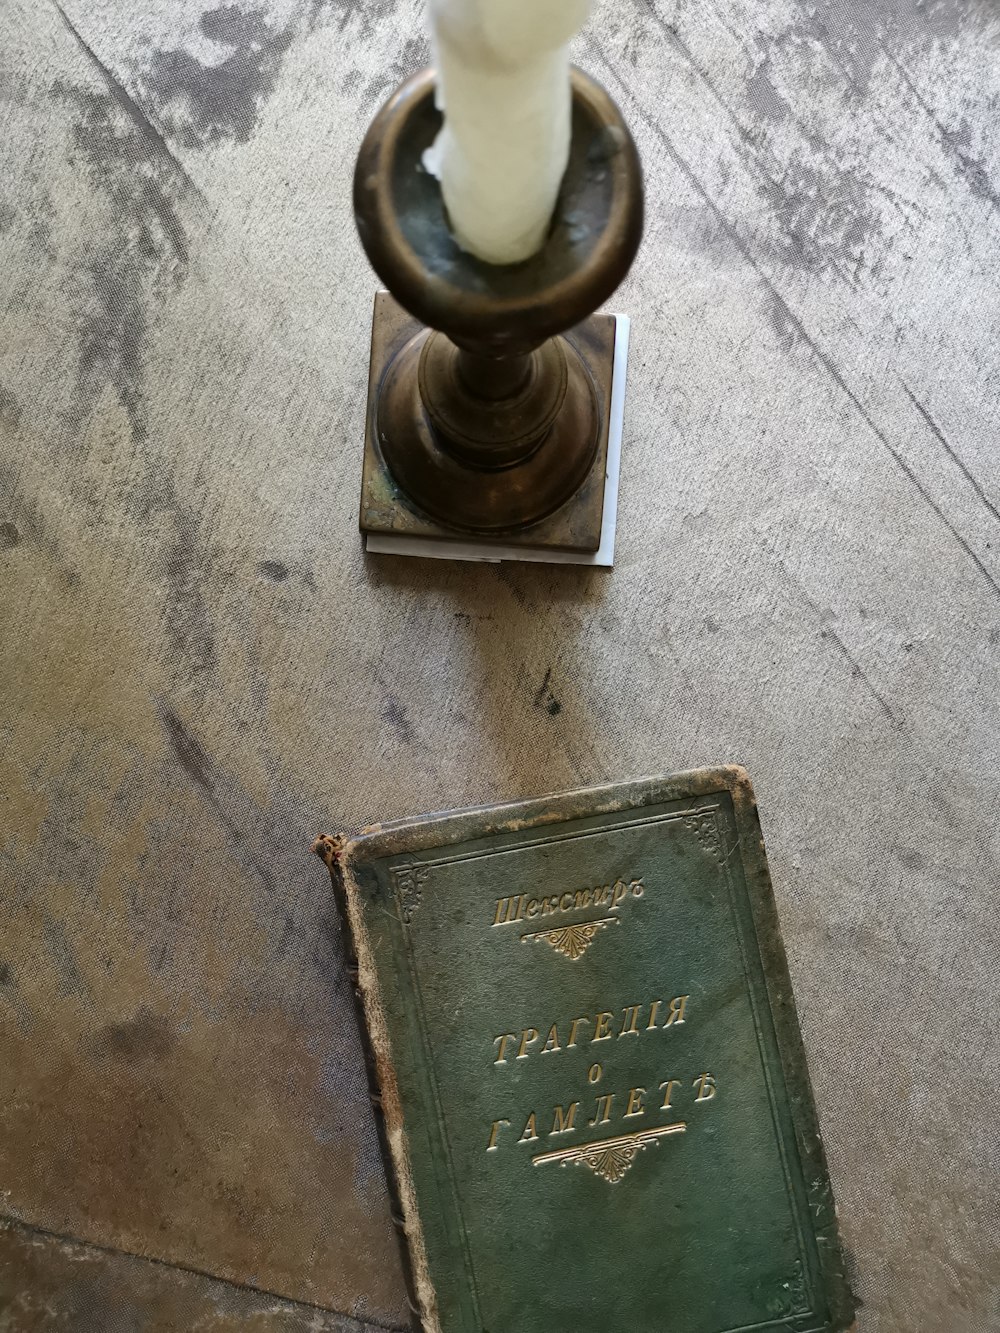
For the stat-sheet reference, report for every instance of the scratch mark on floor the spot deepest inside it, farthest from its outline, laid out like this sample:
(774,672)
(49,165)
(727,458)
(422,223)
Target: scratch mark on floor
(542,688)
(940,436)
(858,670)
(129,105)
(676,41)
(828,632)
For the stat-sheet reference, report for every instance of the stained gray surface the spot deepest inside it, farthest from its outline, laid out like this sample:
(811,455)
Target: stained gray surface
(47,1283)
(201,669)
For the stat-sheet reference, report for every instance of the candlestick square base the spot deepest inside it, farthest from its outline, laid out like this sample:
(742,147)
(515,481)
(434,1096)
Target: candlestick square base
(582,531)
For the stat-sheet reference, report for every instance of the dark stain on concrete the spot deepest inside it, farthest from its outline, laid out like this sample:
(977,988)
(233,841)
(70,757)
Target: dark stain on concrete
(968,165)
(35,224)
(188,752)
(911,858)
(395,714)
(856,33)
(273,570)
(148,1036)
(540,694)
(70,980)
(203,104)
(113,343)
(145,250)
(9,536)
(27,524)
(127,104)
(364,19)
(825,215)
(513,578)
(128,270)
(254,846)
(5,975)
(188,621)
(764,97)
(544,697)
(10,408)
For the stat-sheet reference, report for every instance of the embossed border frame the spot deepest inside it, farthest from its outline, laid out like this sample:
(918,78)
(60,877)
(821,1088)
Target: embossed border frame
(411,837)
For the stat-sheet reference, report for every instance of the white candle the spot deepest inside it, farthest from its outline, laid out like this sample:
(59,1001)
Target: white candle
(504,88)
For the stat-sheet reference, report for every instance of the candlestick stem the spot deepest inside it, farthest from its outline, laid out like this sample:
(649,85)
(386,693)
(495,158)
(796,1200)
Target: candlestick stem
(493,377)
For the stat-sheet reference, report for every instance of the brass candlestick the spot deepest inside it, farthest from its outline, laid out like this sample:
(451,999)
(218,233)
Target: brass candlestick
(489,391)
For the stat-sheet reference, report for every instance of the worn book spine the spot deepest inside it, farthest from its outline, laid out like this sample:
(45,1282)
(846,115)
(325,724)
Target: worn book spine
(329,849)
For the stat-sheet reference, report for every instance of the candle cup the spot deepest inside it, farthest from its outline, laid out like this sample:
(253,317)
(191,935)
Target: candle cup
(490,386)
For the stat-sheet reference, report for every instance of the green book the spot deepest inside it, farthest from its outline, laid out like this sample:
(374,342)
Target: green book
(595,1108)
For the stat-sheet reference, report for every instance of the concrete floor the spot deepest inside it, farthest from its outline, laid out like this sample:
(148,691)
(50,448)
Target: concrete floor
(201,670)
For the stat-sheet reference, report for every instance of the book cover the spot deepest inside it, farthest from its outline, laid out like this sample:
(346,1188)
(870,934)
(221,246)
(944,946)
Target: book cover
(594,1102)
